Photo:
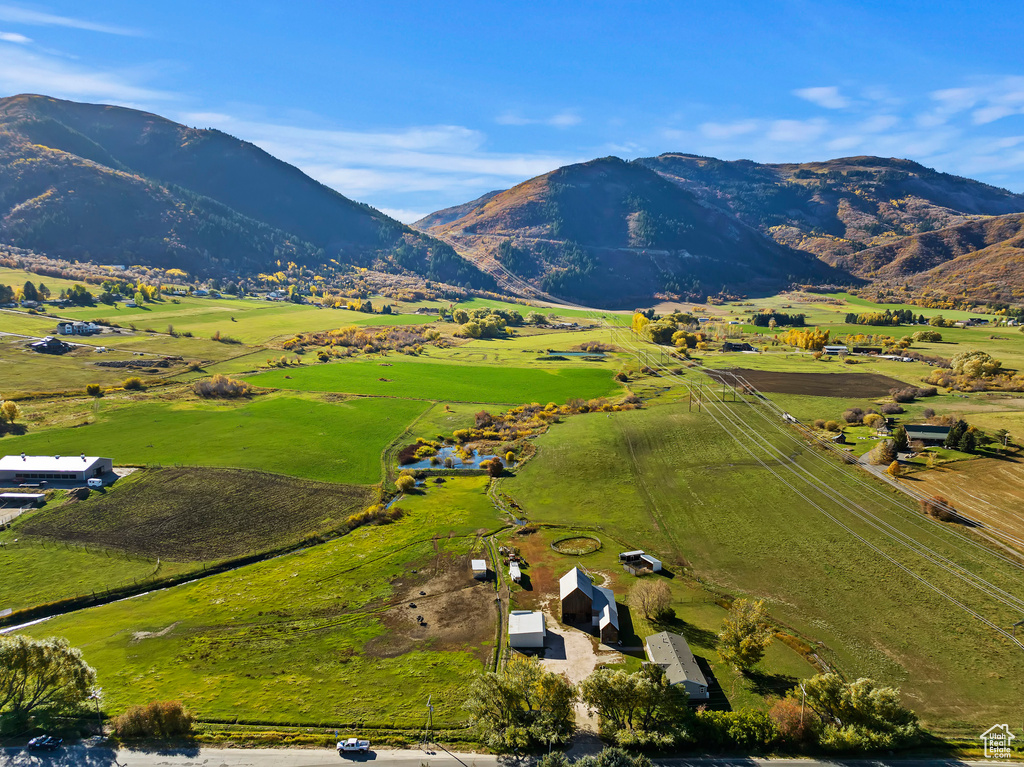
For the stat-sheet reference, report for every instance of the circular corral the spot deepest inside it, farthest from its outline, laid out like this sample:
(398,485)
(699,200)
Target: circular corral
(577,545)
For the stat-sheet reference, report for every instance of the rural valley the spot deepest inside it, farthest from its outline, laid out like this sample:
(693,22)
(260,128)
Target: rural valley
(321,434)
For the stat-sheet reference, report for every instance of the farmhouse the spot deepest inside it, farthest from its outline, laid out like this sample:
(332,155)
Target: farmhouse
(69,328)
(672,653)
(479,569)
(835,350)
(514,572)
(635,561)
(69,468)
(526,629)
(50,345)
(585,604)
(927,433)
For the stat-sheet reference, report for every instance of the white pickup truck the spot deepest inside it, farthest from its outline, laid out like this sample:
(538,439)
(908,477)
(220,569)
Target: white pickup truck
(353,745)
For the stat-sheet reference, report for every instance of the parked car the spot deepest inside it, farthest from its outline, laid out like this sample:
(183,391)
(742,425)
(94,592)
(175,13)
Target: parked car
(45,743)
(353,745)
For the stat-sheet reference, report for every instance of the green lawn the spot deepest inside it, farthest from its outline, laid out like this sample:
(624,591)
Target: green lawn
(427,379)
(676,484)
(301,436)
(322,636)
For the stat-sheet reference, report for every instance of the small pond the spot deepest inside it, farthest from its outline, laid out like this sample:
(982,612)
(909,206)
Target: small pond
(553,353)
(437,461)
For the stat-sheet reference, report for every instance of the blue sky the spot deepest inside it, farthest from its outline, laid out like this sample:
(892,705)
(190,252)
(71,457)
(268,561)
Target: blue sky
(414,106)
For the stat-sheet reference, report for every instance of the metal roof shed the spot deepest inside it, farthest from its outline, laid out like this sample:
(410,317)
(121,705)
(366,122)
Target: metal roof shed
(526,629)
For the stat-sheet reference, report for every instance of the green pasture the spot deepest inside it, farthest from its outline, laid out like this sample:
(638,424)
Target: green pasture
(305,638)
(37,571)
(676,484)
(23,370)
(301,436)
(17,278)
(25,324)
(420,378)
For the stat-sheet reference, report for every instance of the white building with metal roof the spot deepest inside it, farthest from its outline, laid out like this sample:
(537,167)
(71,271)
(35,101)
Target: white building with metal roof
(526,629)
(53,468)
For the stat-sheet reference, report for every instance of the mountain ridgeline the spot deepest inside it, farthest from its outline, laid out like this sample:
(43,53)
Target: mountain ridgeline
(614,232)
(694,225)
(117,185)
(114,185)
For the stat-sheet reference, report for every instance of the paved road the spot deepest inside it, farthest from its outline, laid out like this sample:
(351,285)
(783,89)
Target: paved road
(273,757)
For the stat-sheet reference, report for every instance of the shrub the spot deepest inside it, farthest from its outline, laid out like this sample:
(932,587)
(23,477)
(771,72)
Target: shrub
(874,420)
(819,423)
(929,413)
(939,507)
(94,390)
(891,408)
(904,395)
(795,725)
(894,470)
(853,415)
(221,386)
(405,483)
(133,384)
(833,426)
(621,377)
(160,719)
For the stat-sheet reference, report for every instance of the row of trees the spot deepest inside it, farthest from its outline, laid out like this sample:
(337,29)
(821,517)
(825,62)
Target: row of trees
(771,319)
(523,706)
(888,317)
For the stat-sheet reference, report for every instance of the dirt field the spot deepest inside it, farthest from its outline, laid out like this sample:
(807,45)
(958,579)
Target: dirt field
(816,384)
(457,611)
(990,490)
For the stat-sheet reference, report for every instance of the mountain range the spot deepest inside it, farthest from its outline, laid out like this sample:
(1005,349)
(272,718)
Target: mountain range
(116,185)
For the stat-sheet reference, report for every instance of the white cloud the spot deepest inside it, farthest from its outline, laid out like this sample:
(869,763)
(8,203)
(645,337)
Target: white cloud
(14,37)
(24,71)
(879,123)
(18,15)
(728,130)
(448,163)
(796,130)
(828,97)
(405,216)
(563,119)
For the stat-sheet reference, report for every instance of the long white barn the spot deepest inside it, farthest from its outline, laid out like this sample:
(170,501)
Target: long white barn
(54,468)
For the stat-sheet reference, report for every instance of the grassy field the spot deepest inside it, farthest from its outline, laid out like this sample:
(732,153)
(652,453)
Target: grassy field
(324,635)
(301,436)
(37,571)
(199,514)
(676,484)
(428,379)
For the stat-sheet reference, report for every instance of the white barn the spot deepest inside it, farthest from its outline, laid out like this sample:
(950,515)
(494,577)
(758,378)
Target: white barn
(53,468)
(526,629)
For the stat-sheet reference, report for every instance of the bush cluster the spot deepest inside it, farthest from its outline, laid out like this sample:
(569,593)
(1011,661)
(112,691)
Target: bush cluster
(220,386)
(160,719)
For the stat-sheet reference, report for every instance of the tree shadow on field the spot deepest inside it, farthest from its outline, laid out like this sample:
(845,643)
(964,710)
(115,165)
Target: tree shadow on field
(694,635)
(765,684)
